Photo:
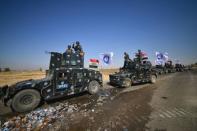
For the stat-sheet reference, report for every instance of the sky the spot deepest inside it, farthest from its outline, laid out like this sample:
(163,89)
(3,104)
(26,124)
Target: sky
(29,28)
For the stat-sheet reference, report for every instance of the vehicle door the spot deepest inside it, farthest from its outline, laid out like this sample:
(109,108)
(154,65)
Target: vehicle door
(78,80)
(63,82)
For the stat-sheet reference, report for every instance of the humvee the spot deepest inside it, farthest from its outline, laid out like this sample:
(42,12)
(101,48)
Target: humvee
(66,76)
(169,67)
(160,69)
(179,67)
(137,71)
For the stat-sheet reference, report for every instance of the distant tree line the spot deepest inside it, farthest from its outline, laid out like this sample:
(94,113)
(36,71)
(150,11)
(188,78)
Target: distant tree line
(7,69)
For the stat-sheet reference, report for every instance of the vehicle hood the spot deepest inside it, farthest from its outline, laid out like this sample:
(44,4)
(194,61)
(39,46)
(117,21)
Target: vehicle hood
(121,74)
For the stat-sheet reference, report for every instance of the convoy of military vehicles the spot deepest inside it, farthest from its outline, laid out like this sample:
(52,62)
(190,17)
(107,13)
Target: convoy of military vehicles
(67,76)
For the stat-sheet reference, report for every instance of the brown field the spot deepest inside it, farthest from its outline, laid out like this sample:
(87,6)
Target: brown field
(106,72)
(9,78)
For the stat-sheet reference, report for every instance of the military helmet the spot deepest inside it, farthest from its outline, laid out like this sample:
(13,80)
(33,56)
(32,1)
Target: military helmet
(77,43)
(69,46)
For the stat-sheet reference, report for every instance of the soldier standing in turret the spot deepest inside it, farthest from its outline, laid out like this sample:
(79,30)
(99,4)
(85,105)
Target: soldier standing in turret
(126,60)
(66,55)
(139,62)
(77,47)
(69,50)
(139,57)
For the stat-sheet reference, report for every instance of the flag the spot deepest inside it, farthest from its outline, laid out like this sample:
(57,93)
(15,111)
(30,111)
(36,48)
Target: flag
(142,54)
(161,58)
(93,63)
(106,58)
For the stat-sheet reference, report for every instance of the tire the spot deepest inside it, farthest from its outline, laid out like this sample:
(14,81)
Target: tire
(126,83)
(93,87)
(26,100)
(153,79)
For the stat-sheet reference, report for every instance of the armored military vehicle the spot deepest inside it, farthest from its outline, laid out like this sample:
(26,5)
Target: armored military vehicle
(179,67)
(169,67)
(138,70)
(160,69)
(66,76)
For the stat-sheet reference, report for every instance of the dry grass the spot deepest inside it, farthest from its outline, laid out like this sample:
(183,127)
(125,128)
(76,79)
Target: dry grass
(106,72)
(9,78)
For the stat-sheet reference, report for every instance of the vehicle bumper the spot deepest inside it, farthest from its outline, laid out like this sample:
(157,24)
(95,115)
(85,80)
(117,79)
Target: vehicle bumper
(116,81)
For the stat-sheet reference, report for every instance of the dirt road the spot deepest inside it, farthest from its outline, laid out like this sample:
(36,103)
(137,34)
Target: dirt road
(168,105)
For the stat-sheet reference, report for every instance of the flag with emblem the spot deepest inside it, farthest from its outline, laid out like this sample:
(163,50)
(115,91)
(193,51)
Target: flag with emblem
(106,58)
(161,58)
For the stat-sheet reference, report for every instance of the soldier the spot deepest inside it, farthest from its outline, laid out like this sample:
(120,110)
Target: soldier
(138,63)
(77,47)
(78,50)
(69,50)
(126,60)
(126,56)
(139,56)
(66,56)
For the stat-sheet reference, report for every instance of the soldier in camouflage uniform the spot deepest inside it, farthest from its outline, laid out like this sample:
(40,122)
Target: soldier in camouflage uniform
(139,57)
(78,49)
(66,56)
(126,60)
(69,50)
(138,63)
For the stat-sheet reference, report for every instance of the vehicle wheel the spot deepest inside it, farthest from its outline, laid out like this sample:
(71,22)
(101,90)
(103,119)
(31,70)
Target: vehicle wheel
(127,82)
(93,87)
(26,100)
(153,79)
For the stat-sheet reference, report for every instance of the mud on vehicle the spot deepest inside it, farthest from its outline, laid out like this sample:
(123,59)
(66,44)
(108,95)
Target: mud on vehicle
(134,71)
(66,76)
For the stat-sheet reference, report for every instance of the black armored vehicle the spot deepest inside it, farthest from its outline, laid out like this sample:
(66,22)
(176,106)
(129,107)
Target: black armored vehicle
(169,67)
(160,69)
(179,67)
(66,76)
(138,70)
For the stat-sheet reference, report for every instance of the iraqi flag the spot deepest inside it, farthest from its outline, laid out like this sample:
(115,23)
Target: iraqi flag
(93,63)
(143,55)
